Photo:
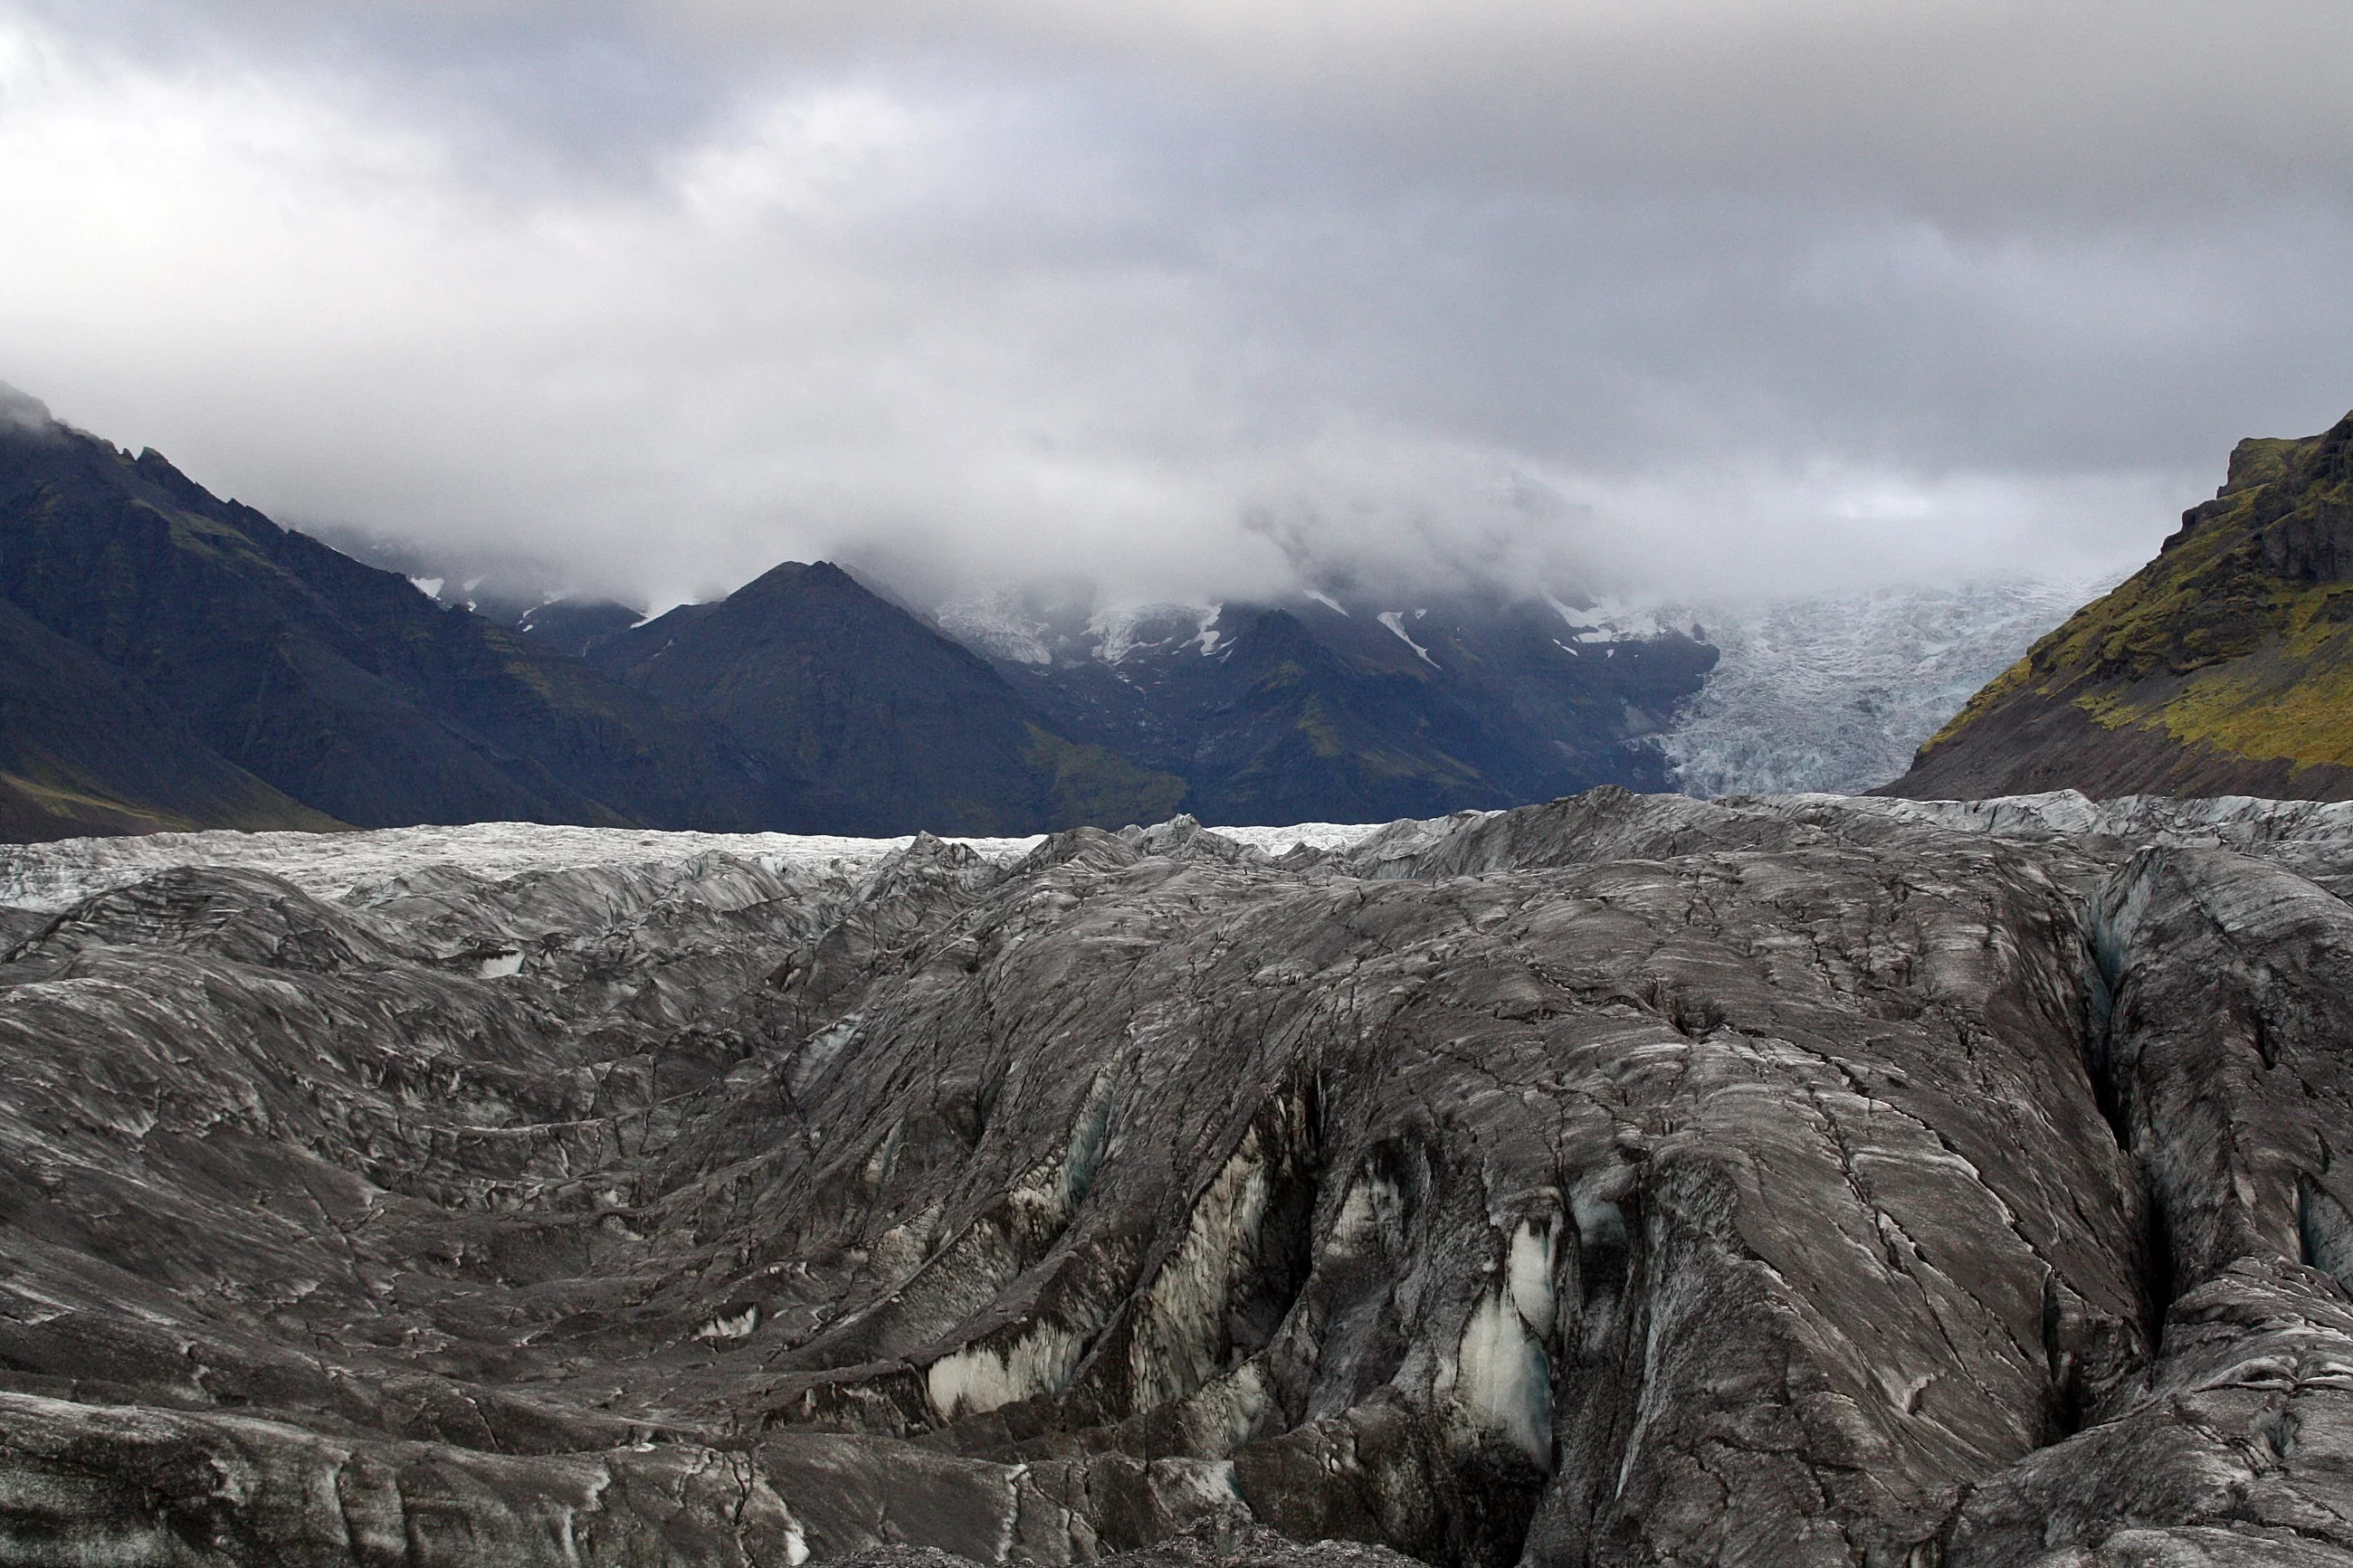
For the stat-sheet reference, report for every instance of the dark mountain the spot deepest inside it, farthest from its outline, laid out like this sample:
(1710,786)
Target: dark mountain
(895,726)
(252,672)
(1558,708)
(2223,666)
(82,752)
(338,685)
(1307,710)
(575,625)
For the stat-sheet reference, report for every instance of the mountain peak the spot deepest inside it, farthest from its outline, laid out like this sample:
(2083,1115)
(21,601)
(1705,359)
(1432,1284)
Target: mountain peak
(335,685)
(22,412)
(896,727)
(801,576)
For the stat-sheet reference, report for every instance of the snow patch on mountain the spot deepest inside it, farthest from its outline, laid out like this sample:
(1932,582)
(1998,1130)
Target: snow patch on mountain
(1614,620)
(1206,635)
(997,619)
(1834,693)
(1395,621)
(1021,625)
(1830,692)
(1122,630)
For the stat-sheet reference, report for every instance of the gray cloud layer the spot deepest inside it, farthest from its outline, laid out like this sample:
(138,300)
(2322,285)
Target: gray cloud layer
(1196,298)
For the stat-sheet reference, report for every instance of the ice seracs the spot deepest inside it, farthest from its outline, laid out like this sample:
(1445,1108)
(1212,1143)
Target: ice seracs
(1836,692)
(57,875)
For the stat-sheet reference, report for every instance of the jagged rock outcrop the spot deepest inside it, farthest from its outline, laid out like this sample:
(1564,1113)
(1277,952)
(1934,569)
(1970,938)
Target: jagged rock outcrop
(1627,1180)
(2224,665)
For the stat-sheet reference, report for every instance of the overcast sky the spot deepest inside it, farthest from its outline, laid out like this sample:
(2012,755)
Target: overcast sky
(1195,296)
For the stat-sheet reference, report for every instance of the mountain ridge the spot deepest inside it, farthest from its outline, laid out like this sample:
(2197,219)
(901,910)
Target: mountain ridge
(1304,707)
(336,683)
(297,684)
(2223,666)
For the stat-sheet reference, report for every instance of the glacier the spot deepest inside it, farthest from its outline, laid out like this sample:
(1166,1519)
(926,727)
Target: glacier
(1624,1180)
(1834,692)
(360,867)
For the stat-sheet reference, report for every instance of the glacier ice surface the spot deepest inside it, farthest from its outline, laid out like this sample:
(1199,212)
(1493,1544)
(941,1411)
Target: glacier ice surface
(57,876)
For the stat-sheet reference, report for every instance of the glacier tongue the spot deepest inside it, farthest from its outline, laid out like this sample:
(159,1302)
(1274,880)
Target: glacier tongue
(1834,693)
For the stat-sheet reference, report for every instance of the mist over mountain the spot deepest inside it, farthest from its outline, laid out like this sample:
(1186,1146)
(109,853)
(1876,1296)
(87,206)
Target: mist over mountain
(335,684)
(893,725)
(1309,705)
(1824,691)
(1210,303)
(299,687)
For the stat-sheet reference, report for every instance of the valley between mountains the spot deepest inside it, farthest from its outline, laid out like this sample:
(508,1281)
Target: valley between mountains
(1623,1180)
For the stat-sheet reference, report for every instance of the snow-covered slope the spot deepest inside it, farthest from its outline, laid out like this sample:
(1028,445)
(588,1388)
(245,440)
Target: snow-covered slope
(1029,625)
(1835,693)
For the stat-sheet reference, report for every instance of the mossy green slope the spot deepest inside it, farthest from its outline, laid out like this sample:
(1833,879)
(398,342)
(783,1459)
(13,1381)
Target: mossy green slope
(2224,665)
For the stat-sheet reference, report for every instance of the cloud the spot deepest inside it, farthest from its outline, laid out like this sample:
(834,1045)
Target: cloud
(1194,299)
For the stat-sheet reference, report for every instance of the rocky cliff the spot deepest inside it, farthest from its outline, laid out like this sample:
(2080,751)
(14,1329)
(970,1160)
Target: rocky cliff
(1619,1181)
(2225,666)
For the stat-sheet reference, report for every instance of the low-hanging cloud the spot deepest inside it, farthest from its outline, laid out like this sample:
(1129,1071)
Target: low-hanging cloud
(1192,299)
